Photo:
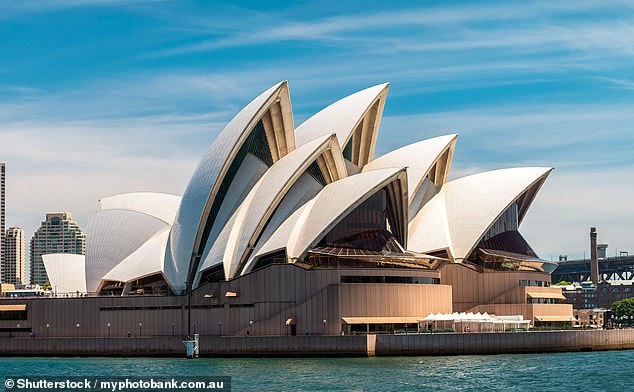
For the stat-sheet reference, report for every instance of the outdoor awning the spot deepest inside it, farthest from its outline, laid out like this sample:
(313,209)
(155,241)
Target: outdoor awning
(470,317)
(523,262)
(510,255)
(231,294)
(290,321)
(12,308)
(550,295)
(406,259)
(554,318)
(380,320)
(476,318)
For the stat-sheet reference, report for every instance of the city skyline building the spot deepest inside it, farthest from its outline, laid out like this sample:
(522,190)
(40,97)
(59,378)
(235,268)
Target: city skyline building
(59,233)
(14,267)
(2,216)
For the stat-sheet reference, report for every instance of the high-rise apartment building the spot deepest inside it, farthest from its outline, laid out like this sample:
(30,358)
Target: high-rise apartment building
(59,233)
(2,217)
(14,267)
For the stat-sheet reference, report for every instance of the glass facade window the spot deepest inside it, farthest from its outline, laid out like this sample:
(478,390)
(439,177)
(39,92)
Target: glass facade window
(316,173)
(508,221)
(13,315)
(347,151)
(542,301)
(389,279)
(535,283)
(369,216)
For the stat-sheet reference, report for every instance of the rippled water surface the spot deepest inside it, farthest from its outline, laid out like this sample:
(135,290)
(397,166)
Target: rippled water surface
(596,371)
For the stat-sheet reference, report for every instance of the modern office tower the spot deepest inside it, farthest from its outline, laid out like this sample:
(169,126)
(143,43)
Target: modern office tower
(59,233)
(2,206)
(14,264)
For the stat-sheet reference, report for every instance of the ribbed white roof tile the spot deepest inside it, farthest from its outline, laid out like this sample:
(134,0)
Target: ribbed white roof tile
(257,207)
(145,261)
(429,231)
(341,117)
(159,205)
(304,190)
(207,177)
(280,238)
(266,196)
(217,251)
(111,236)
(251,171)
(66,272)
(468,206)
(310,223)
(418,157)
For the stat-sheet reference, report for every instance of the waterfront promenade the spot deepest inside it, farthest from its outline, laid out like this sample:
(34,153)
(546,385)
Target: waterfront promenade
(357,345)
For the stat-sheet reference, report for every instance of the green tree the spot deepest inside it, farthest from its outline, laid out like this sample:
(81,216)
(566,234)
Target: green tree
(46,285)
(624,307)
(562,283)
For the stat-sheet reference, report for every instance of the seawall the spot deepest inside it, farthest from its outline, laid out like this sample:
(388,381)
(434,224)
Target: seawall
(505,343)
(380,345)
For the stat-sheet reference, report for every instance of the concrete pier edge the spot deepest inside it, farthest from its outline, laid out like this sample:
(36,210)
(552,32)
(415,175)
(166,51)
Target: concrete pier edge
(326,346)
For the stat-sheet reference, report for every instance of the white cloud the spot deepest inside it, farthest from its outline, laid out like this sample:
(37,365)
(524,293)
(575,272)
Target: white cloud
(449,28)
(620,83)
(67,166)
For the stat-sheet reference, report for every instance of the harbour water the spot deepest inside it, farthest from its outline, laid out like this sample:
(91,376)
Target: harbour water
(590,371)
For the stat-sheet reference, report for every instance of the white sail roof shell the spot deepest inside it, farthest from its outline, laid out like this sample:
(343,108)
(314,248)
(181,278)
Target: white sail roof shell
(147,260)
(280,238)
(250,172)
(159,205)
(113,235)
(418,157)
(462,212)
(343,117)
(303,191)
(66,272)
(202,187)
(307,225)
(250,218)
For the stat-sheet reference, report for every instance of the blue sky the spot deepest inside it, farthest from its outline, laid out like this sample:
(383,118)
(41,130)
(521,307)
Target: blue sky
(101,97)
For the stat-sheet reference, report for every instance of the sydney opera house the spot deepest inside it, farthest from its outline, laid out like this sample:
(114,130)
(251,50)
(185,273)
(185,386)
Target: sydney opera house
(302,230)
